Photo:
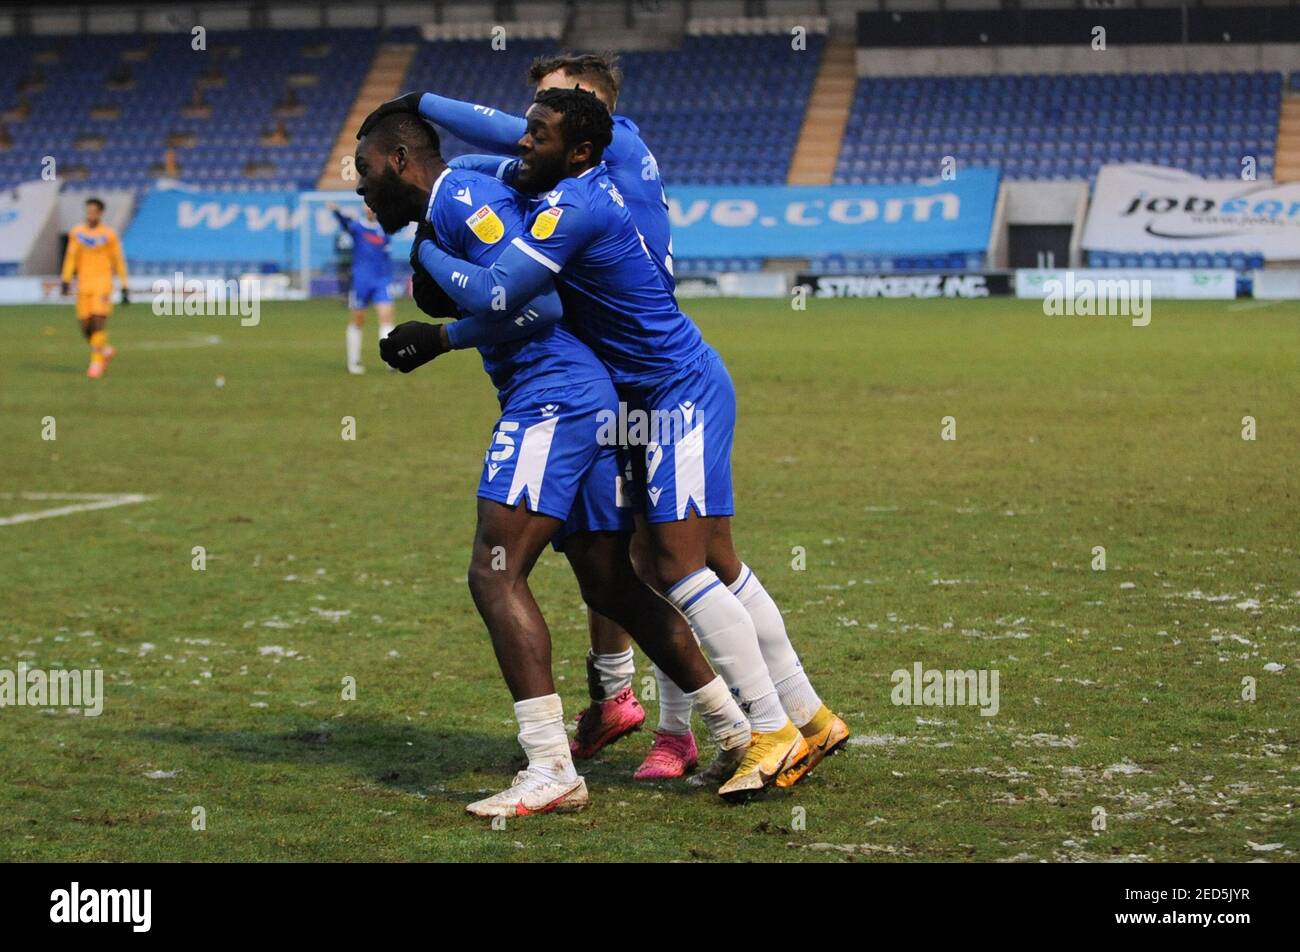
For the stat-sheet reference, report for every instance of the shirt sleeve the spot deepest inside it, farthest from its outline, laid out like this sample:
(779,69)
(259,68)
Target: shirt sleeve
(70,256)
(477,330)
(499,167)
(483,236)
(119,259)
(622,145)
(480,126)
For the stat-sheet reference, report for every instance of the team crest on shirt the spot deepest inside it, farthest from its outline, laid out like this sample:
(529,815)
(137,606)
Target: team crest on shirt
(545,222)
(486,225)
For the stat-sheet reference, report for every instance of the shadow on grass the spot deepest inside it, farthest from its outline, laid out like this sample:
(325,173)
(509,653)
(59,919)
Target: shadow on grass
(451,765)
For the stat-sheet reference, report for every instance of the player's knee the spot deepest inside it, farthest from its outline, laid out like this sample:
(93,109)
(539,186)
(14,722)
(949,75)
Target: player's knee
(607,597)
(642,563)
(485,580)
(666,569)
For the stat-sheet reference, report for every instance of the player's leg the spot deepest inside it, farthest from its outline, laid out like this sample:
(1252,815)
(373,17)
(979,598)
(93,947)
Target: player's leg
(507,542)
(541,451)
(384,311)
(610,585)
(673,748)
(614,711)
(684,475)
(98,340)
(358,301)
(823,730)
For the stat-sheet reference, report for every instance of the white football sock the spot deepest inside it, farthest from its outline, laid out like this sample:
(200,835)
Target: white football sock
(542,736)
(721,714)
(792,685)
(385,330)
(729,641)
(354,346)
(674,705)
(614,671)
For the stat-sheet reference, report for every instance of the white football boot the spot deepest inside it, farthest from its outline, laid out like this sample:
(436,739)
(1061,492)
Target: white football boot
(533,792)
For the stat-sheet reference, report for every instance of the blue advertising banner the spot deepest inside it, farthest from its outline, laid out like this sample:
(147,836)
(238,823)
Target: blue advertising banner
(708,221)
(936,217)
(185,225)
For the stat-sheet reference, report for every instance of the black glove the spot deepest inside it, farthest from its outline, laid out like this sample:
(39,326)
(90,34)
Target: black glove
(430,297)
(65,288)
(410,345)
(407,103)
(126,296)
(423,232)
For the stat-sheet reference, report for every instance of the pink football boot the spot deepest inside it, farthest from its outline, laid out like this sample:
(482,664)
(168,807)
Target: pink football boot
(671,756)
(604,722)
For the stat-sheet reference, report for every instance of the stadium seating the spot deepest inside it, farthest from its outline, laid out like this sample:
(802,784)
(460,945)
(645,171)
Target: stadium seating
(880,264)
(720,109)
(150,109)
(1059,127)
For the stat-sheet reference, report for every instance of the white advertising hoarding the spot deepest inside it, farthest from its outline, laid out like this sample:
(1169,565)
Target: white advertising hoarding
(1146,208)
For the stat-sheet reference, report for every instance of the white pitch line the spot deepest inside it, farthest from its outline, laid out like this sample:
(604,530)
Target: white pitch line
(93,501)
(195,340)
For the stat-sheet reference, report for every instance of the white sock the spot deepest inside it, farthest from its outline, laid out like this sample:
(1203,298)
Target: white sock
(354,346)
(613,672)
(798,698)
(721,714)
(542,736)
(385,330)
(728,638)
(674,705)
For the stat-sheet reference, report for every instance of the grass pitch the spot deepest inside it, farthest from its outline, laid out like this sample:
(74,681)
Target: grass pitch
(1122,731)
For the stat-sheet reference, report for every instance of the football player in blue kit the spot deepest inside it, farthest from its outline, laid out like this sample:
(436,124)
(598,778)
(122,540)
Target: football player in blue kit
(545,475)
(581,238)
(372,272)
(614,710)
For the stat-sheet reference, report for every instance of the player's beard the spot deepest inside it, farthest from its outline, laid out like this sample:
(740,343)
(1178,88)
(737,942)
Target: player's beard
(396,203)
(540,174)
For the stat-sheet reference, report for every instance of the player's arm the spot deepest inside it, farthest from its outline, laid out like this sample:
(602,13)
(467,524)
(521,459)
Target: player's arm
(524,269)
(493,165)
(478,330)
(414,343)
(70,257)
(119,267)
(481,126)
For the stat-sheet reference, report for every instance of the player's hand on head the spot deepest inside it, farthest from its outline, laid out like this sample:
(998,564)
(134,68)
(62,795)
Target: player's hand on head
(411,345)
(410,102)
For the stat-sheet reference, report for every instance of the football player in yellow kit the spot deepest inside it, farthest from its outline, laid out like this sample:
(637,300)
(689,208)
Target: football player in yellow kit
(94,255)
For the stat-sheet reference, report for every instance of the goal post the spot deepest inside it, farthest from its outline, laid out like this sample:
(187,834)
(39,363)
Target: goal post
(320,241)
